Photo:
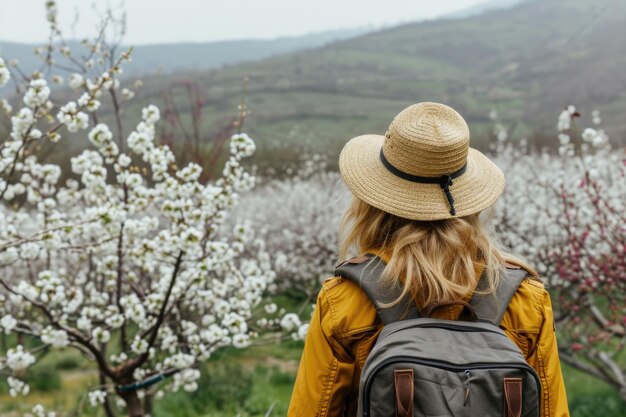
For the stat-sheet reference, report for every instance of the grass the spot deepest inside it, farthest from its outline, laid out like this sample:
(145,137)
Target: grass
(240,382)
(588,397)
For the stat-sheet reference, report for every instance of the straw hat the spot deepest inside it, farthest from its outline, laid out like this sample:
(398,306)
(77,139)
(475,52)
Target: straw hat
(423,168)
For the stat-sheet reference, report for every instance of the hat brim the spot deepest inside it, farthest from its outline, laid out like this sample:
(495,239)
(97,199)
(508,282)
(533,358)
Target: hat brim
(365,175)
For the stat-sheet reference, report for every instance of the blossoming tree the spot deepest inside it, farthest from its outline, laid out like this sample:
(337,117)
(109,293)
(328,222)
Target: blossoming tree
(304,243)
(566,215)
(121,258)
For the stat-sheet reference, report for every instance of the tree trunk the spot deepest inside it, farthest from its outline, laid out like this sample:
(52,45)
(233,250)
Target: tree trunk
(108,410)
(133,404)
(147,403)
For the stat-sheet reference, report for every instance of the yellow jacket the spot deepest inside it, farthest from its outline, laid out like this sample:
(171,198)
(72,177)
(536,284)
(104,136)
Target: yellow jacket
(345,326)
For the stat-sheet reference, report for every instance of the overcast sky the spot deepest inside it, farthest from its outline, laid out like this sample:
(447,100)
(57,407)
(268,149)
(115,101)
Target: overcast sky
(159,21)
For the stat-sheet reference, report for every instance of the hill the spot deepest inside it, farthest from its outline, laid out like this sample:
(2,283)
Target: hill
(483,7)
(156,59)
(170,58)
(528,62)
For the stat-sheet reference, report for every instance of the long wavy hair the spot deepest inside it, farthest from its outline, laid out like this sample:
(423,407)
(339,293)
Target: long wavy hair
(436,262)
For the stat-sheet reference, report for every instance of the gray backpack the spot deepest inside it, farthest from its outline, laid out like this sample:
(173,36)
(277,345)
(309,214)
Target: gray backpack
(421,366)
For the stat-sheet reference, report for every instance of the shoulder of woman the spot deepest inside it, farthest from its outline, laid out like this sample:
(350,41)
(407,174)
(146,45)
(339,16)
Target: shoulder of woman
(350,310)
(525,311)
(515,263)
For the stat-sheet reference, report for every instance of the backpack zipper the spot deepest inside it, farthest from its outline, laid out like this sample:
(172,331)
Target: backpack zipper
(445,326)
(445,366)
(466,384)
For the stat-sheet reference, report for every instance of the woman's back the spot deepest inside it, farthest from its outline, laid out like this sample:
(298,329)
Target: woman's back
(345,327)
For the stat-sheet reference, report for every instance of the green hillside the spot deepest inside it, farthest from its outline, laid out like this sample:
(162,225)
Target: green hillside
(528,62)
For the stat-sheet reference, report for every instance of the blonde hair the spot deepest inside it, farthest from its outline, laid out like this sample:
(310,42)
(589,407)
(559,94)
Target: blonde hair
(434,261)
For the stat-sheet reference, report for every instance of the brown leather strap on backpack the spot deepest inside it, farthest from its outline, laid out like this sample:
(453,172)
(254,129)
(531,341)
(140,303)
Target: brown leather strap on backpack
(403,381)
(512,397)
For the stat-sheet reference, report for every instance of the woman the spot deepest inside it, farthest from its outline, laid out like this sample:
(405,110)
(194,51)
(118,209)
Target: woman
(420,200)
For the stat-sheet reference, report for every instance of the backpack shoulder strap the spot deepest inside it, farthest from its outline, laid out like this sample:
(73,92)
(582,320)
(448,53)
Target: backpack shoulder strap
(366,271)
(491,307)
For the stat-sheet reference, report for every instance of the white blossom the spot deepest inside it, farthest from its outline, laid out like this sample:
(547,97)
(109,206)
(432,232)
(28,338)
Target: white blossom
(29,250)
(5,106)
(101,335)
(72,117)
(76,81)
(242,145)
(302,331)
(8,323)
(127,94)
(139,345)
(594,137)
(88,102)
(97,397)
(56,337)
(565,121)
(186,379)
(17,387)
(39,410)
(102,138)
(21,123)
(151,114)
(5,75)
(17,358)
(290,322)
(124,160)
(37,94)
(35,134)
(241,340)
(51,16)
(596,117)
